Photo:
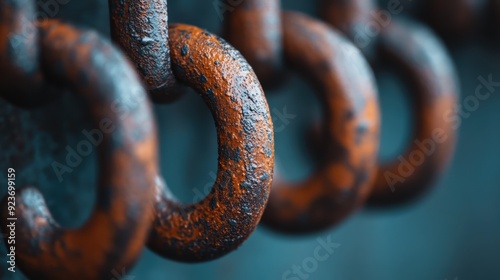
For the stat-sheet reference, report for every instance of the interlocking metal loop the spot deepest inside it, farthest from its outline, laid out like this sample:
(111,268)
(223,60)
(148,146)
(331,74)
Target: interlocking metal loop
(350,130)
(21,80)
(254,28)
(230,213)
(351,17)
(429,71)
(344,82)
(427,68)
(116,231)
(141,29)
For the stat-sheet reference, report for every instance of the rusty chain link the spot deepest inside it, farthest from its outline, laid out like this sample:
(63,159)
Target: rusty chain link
(345,85)
(430,75)
(255,29)
(117,229)
(428,70)
(350,130)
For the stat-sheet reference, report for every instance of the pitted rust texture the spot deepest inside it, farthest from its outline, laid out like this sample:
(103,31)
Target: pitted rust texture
(140,27)
(20,77)
(350,129)
(230,213)
(254,28)
(428,69)
(118,227)
(354,19)
(454,19)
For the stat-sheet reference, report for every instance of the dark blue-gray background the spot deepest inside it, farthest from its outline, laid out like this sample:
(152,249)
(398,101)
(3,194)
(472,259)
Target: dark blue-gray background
(452,233)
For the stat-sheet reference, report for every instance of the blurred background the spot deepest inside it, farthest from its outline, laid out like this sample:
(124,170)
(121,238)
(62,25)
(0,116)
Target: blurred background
(453,232)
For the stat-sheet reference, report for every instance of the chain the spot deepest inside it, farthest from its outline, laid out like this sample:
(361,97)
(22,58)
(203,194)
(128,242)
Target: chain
(39,58)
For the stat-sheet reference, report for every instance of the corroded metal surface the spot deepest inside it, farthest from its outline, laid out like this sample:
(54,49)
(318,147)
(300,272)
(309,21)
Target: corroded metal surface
(20,77)
(350,130)
(429,72)
(115,233)
(254,28)
(357,19)
(141,28)
(230,213)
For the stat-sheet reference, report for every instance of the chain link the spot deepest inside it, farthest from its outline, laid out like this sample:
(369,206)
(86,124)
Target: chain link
(39,58)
